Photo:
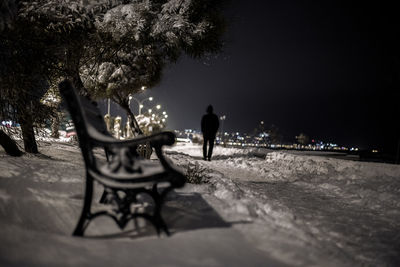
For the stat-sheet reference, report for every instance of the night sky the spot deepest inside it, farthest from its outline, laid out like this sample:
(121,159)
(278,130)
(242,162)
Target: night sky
(329,70)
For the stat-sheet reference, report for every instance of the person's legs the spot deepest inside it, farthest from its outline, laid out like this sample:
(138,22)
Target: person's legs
(210,148)
(205,140)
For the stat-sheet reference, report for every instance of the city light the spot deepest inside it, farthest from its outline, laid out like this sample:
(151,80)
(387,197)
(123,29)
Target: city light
(263,140)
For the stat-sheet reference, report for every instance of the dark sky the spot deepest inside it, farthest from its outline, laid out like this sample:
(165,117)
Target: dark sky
(327,69)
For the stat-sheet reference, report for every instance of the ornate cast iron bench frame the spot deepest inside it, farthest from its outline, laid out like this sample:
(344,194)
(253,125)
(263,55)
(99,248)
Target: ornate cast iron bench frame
(122,183)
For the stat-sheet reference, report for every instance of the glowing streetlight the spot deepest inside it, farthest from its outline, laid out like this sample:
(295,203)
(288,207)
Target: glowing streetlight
(222,118)
(140,103)
(158,106)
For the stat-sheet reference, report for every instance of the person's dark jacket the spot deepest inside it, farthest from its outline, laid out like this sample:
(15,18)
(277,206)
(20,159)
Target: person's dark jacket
(209,125)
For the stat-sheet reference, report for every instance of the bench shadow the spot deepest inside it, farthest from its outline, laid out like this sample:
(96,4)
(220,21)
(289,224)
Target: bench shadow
(189,211)
(181,212)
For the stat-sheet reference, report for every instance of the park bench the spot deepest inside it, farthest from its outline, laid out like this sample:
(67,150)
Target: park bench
(126,174)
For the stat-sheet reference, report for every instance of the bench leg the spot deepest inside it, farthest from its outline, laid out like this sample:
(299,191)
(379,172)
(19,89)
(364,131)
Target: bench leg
(159,201)
(161,225)
(85,215)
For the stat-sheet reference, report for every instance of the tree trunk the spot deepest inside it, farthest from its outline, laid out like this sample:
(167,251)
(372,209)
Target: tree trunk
(78,84)
(55,125)
(143,150)
(28,134)
(72,69)
(133,121)
(9,145)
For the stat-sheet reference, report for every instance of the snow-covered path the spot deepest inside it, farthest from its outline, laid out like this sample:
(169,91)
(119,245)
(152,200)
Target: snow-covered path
(353,233)
(258,208)
(336,211)
(40,202)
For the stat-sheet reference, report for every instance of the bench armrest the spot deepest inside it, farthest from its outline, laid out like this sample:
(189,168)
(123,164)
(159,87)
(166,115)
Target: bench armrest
(156,140)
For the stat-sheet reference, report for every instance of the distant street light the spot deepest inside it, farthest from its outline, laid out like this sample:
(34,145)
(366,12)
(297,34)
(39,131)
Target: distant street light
(222,118)
(140,103)
(153,108)
(262,126)
(158,106)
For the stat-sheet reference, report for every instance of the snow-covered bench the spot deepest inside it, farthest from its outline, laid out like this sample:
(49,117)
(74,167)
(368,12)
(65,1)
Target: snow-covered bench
(125,175)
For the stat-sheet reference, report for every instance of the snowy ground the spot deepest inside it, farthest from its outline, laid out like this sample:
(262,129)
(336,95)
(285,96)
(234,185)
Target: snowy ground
(307,210)
(259,208)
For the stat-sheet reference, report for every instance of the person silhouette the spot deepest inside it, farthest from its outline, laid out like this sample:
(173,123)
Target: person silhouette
(209,128)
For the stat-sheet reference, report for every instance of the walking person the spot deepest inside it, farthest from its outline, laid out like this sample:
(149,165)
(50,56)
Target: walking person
(209,128)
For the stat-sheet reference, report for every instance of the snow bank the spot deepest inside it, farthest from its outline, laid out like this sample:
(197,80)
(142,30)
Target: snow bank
(290,167)
(362,182)
(220,173)
(219,152)
(314,165)
(368,184)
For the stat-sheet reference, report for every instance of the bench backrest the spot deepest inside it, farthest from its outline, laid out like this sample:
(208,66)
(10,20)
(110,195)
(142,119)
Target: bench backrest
(85,114)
